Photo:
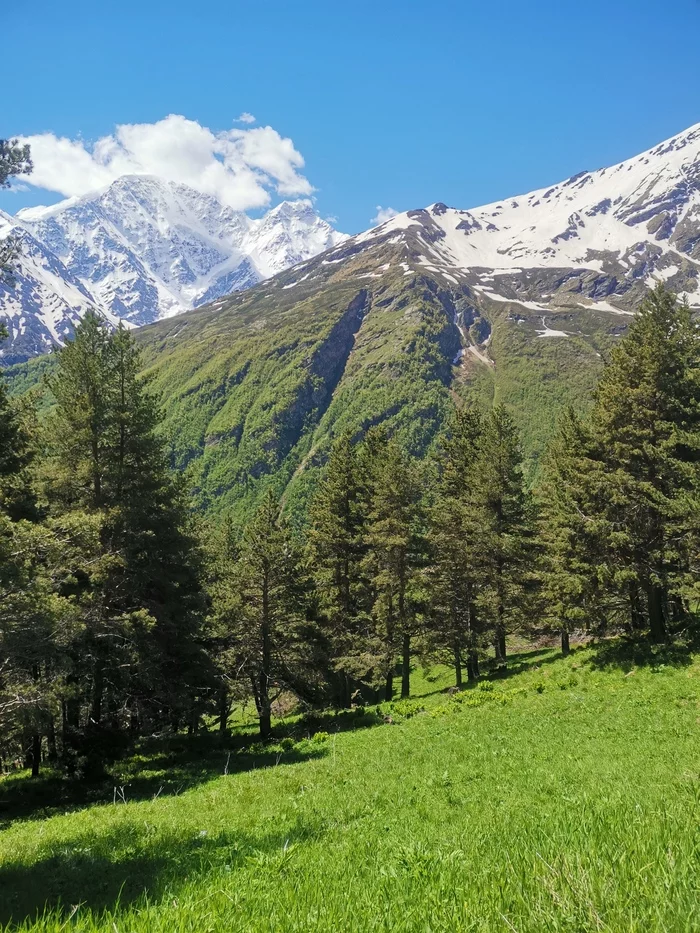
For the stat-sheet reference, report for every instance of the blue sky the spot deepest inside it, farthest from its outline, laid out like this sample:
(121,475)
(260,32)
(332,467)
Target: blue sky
(390,103)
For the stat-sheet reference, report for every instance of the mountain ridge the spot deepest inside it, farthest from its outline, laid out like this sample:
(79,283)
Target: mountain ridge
(257,384)
(143,248)
(436,330)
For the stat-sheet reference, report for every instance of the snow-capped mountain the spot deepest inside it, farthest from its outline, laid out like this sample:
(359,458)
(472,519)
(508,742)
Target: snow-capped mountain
(143,248)
(598,238)
(140,250)
(46,301)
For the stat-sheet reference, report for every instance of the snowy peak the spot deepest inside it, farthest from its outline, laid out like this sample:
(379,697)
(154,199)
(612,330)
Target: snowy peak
(637,221)
(45,301)
(144,248)
(288,234)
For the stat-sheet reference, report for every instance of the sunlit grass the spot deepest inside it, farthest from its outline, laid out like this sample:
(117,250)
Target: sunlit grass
(564,797)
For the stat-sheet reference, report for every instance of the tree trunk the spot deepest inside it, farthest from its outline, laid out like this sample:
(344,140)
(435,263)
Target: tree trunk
(265,723)
(636,614)
(98,686)
(565,649)
(70,723)
(458,667)
(677,610)
(500,644)
(223,710)
(35,754)
(65,728)
(389,688)
(472,656)
(264,708)
(51,739)
(655,607)
(500,635)
(406,668)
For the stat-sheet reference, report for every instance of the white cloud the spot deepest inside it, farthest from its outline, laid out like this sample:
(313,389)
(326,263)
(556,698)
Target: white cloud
(383,214)
(241,167)
(245,117)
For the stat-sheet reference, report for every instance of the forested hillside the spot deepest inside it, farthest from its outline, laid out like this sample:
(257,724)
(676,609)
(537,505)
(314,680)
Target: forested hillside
(257,387)
(124,613)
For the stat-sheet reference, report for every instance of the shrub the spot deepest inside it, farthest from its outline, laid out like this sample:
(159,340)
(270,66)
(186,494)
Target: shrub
(405,709)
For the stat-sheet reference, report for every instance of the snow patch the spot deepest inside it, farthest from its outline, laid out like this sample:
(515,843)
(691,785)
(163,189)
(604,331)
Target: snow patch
(549,332)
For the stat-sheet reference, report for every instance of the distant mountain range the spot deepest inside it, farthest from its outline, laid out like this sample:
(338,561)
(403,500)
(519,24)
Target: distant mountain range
(144,248)
(141,250)
(518,301)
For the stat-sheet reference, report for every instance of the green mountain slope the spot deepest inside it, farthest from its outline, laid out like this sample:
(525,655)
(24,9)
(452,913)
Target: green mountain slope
(255,386)
(515,301)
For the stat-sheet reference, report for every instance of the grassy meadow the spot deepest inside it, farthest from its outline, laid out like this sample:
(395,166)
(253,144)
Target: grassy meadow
(564,796)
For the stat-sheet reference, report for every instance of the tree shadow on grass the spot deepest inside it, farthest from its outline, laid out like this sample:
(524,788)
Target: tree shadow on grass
(521,661)
(133,861)
(627,653)
(168,765)
(159,767)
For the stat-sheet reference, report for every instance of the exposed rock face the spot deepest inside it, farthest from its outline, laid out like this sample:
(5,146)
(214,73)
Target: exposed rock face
(599,238)
(141,250)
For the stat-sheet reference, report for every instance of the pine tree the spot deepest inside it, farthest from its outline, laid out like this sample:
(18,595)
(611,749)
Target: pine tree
(336,552)
(150,526)
(15,159)
(503,512)
(81,428)
(139,656)
(570,529)
(454,549)
(222,550)
(17,427)
(33,617)
(646,421)
(395,550)
(273,640)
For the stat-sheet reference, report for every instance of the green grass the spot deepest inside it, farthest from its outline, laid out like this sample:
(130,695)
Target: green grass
(563,797)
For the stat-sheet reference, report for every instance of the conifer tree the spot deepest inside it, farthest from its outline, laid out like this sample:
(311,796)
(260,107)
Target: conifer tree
(16,452)
(274,642)
(573,590)
(17,570)
(141,600)
(646,422)
(151,527)
(454,549)
(222,550)
(32,616)
(82,424)
(503,513)
(395,549)
(336,552)
(15,159)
